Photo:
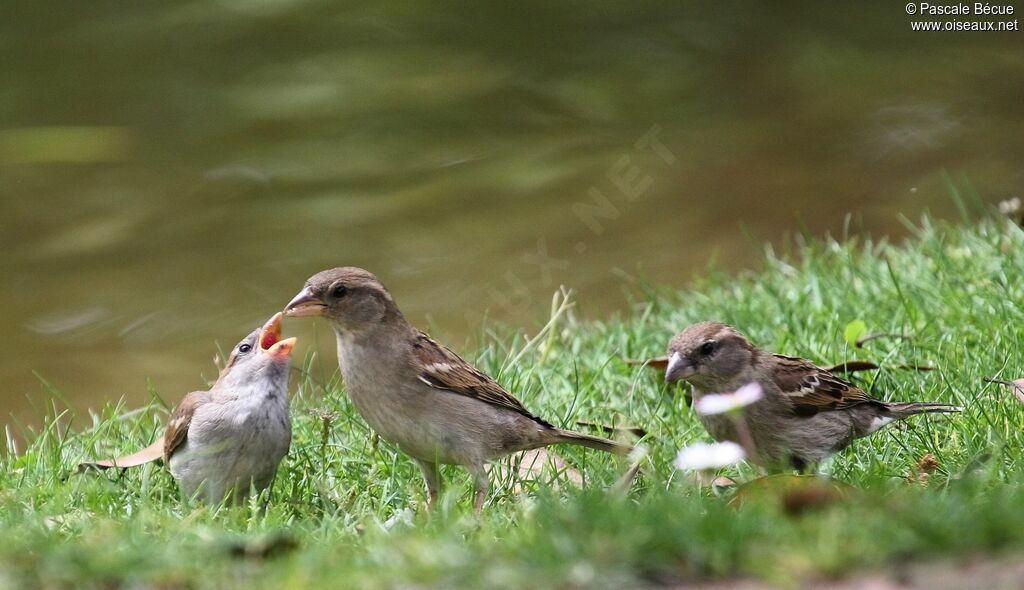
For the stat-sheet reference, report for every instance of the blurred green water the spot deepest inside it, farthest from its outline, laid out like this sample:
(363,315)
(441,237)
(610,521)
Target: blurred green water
(171,172)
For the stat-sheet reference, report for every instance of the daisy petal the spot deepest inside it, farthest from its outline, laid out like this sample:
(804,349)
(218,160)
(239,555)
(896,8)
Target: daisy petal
(722,403)
(703,456)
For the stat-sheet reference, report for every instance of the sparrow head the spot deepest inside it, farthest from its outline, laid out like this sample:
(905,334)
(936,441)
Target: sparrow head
(351,298)
(261,354)
(709,354)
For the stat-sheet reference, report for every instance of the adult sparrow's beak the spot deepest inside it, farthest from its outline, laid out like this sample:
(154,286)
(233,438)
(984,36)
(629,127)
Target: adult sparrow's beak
(304,304)
(679,367)
(270,338)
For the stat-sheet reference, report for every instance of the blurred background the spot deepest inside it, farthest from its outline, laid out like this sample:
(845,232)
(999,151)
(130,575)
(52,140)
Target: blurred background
(172,172)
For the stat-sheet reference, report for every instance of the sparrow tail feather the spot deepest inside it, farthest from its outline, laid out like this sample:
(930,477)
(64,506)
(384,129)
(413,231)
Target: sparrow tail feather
(593,442)
(909,409)
(151,453)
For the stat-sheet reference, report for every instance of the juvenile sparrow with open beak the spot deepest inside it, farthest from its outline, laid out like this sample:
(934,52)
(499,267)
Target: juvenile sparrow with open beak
(223,442)
(416,393)
(806,413)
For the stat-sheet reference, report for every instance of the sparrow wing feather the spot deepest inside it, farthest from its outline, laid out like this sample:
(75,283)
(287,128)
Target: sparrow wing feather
(441,368)
(811,389)
(181,419)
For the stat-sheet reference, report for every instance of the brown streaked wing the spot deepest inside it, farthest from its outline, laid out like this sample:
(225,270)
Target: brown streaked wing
(441,368)
(177,426)
(811,389)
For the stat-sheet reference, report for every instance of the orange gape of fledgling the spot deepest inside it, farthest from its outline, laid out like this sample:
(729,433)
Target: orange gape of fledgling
(806,414)
(416,393)
(223,442)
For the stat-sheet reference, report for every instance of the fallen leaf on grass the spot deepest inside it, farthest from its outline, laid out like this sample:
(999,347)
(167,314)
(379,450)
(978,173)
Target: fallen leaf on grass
(801,500)
(264,547)
(854,331)
(66,521)
(534,465)
(723,485)
(795,494)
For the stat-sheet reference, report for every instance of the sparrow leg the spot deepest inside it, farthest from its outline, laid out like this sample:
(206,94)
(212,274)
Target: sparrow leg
(433,481)
(265,493)
(480,483)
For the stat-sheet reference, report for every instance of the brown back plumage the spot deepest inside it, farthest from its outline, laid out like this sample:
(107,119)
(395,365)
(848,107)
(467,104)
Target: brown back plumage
(811,389)
(443,369)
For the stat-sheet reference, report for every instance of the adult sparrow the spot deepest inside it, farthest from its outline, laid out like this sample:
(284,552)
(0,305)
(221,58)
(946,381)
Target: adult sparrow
(416,393)
(223,442)
(806,413)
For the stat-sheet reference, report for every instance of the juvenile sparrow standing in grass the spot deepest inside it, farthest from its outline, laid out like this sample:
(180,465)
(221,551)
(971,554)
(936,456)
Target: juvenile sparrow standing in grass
(418,394)
(806,413)
(222,442)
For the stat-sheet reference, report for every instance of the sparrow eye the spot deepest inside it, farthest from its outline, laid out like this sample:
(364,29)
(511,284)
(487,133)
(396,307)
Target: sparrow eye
(339,291)
(244,348)
(707,348)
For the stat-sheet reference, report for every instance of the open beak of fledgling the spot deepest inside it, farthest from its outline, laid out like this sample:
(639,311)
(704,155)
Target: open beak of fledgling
(679,367)
(270,338)
(304,304)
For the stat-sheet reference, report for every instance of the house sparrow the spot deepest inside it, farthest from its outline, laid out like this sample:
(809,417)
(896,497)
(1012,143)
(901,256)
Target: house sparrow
(806,413)
(416,393)
(232,437)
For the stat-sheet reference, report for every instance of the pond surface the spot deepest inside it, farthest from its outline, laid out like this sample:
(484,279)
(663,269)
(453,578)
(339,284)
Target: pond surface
(171,172)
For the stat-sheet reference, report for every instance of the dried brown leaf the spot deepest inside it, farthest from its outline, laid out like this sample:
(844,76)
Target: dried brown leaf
(264,547)
(795,494)
(537,464)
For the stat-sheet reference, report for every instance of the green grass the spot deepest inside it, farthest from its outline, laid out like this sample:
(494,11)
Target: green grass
(956,291)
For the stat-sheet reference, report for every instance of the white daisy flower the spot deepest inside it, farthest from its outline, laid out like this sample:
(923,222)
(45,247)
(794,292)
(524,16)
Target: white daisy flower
(722,403)
(703,456)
